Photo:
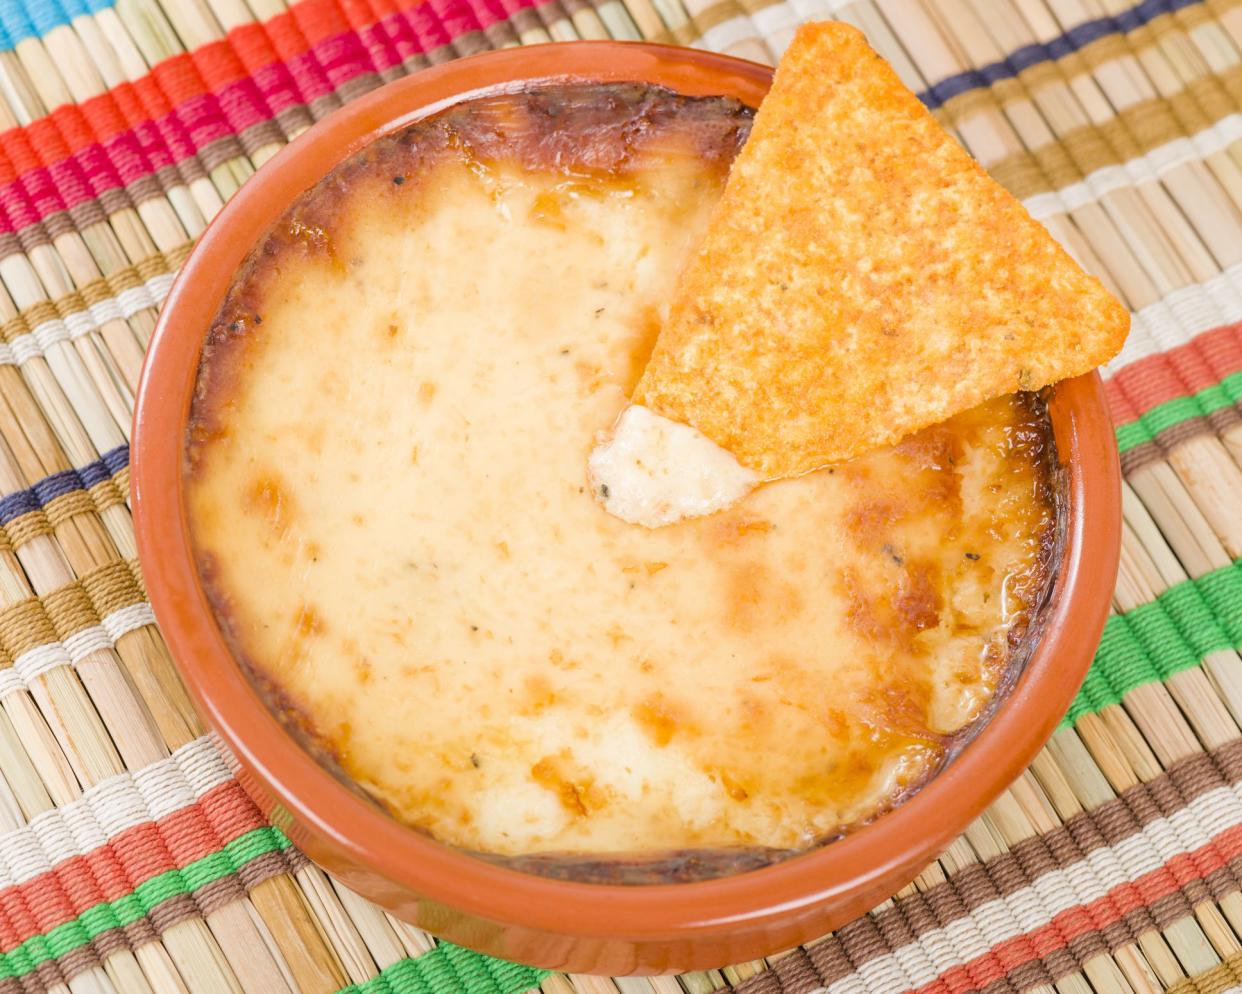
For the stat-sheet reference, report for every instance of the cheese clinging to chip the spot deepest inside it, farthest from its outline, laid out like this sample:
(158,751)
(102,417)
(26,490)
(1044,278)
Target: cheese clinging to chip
(862,278)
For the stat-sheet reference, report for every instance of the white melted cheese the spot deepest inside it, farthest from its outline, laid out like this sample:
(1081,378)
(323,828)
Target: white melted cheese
(652,471)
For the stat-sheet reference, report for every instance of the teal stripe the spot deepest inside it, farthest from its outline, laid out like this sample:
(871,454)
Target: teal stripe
(450,969)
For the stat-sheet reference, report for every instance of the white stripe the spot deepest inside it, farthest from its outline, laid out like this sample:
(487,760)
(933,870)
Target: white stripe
(727,33)
(10,682)
(81,644)
(125,304)
(33,663)
(109,808)
(127,619)
(1181,316)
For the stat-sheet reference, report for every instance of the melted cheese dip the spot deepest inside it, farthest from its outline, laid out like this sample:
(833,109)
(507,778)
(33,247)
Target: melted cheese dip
(387,489)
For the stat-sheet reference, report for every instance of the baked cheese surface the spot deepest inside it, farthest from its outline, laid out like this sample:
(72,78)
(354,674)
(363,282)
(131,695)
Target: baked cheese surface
(386,485)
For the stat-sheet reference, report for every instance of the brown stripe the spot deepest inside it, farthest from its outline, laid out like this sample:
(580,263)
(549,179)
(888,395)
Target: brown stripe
(181,175)
(142,189)
(261,135)
(767,982)
(828,957)
(351,89)
(296,859)
(1002,986)
(323,105)
(171,912)
(294,120)
(861,940)
(1031,974)
(796,973)
(111,201)
(46,975)
(111,587)
(53,227)
(1140,456)
(78,961)
(136,933)
(216,153)
(270,864)
(392,73)
(211,897)
(500,34)
(115,939)
(1225,419)
(25,625)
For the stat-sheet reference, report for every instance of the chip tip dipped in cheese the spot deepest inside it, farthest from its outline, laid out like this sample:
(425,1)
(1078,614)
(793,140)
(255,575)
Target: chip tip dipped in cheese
(652,471)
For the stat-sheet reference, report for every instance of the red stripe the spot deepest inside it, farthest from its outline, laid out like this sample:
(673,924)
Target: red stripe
(194,99)
(1064,928)
(1156,379)
(131,857)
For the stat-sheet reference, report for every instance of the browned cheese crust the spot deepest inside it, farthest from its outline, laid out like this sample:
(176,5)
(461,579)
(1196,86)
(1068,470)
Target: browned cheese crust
(862,277)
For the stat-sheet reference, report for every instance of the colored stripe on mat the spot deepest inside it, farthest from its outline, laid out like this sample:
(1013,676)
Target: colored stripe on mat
(142,902)
(1073,40)
(189,102)
(136,854)
(1035,913)
(1171,413)
(1156,640)
(448,969)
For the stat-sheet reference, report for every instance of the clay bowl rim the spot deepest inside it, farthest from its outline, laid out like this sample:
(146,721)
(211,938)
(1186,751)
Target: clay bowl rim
(897,843)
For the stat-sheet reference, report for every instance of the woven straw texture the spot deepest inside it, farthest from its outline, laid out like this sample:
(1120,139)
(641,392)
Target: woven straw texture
(131,861)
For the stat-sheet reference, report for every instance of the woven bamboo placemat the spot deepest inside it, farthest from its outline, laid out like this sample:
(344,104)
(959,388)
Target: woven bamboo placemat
(130,860)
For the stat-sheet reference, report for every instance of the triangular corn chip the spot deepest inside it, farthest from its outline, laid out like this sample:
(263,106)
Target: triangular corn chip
(862,278)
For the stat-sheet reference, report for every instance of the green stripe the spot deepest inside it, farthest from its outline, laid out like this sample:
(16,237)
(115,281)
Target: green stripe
(140,901)
(1224,394)
(449,969)
(1154,641)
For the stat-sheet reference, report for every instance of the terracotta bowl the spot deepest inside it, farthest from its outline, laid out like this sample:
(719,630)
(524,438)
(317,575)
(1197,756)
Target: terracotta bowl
(576,926)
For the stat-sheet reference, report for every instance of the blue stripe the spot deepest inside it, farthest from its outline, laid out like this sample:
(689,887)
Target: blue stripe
(22,19)
(1076,38)
(14,505)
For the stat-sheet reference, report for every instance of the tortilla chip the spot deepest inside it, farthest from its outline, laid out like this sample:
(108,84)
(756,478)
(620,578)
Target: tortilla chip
(862,278)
